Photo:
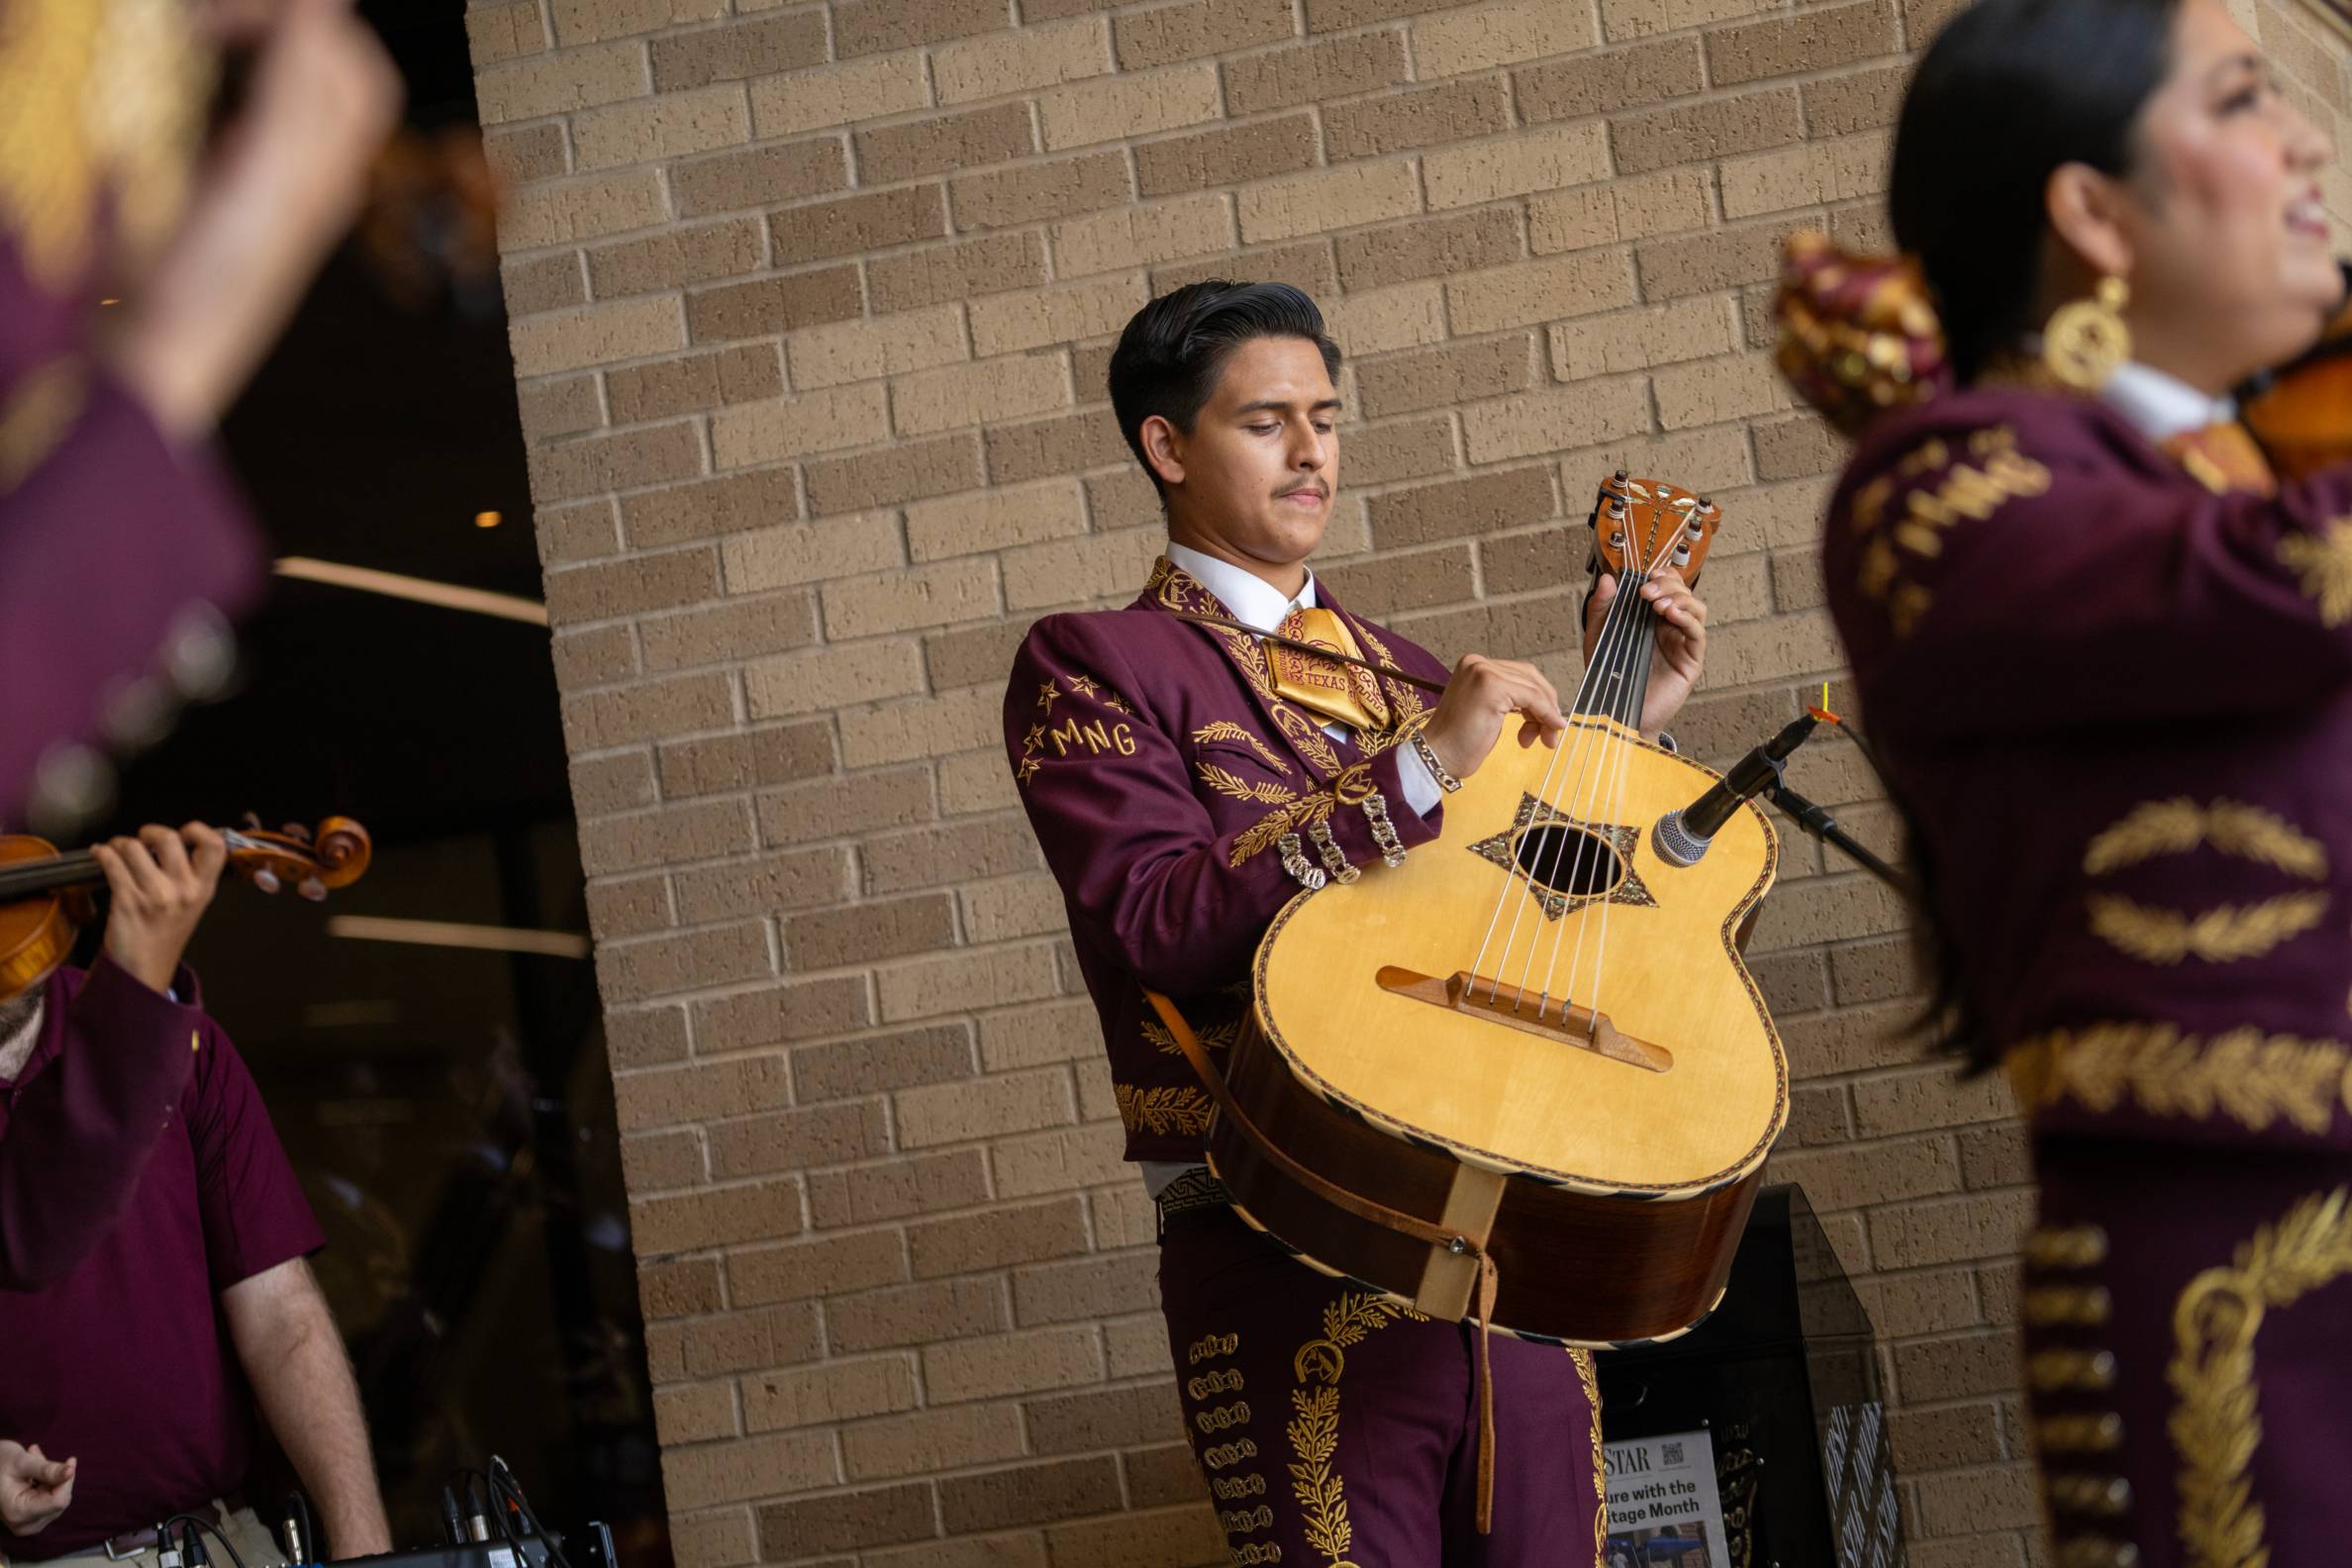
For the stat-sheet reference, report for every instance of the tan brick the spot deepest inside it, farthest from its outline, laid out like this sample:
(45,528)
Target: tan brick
(714,1218)
(745,1340)
(579,79)
(1930,1098)
(1009,323)
(1125,1216)
(1724,389)
(1139,236)
(1581,283)
(1876,1174)
(773,305)
(694,1412)
(946,142)
(969,657)
(648,1035)
(1541,422)
(547,283)
(1480,503)
(587,207)
(993,519)
(1023,1363)
(1965,1501)
(964,982)
(1094,1288)
(662,1162)
(1021,1234)
(1415,581)
(909,598)
(1040,54)
(585,531)
(838,95)
(631,587)
(1116,108)
(998,199)
(943,857)
(807,812)
(867,350)
(1423,117)
(784,556)
(595,21)
(1032,1494)
(898,1189)
(1533,161)
(1825,36)
(904,730)
(1191,29)
(622,461)
(691,961)
(929,1441)
(989,265)
(851,225)
(1338,198)
(824,677)
(1639,339)
(1018,907)
(1948,1231)
(1065,444)
(1846,168)
(724,764)
(676,257)
(1625,78)
(1228,156)
(1123,501)
(748,1467)
(868,27)
(1165,1538)
(803,1269)
(559,408)
(803,1011)
(569,340)
(1069,1160)
(1704,263)
(1457,42)
(1382,453)
(1710,128)
(1633,19)
(791,1140)
(909,472)
(502,31)
(1314,71)
(759,177)
(731,52)
(758,887)
(988,1108)
(714,507)
(671,125)
(1041,575)
(930,401)
(840,1391)
(793,426)
(934,1054)
(1623,209)
(695,383)
(1456,373)
(679,1290)
(712,1540)
(672,1097)
(1862,100)
(594,659)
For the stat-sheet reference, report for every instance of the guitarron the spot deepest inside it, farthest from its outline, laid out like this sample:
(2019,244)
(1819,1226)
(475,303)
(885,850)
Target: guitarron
(1524,1077)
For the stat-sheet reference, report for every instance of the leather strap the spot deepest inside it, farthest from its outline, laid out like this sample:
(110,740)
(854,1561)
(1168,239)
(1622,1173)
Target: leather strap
(1315,649)
(1488,1276)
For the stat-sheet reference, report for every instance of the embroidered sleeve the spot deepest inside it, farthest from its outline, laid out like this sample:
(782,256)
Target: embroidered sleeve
(1988,581)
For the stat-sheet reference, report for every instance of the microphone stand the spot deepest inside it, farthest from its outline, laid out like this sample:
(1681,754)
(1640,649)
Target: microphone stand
(1816,821)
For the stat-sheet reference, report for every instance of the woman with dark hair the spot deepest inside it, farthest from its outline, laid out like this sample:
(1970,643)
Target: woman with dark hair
(2108,657)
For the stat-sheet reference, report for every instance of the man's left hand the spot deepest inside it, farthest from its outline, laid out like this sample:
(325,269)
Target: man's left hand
(34,1487)
(1682,641)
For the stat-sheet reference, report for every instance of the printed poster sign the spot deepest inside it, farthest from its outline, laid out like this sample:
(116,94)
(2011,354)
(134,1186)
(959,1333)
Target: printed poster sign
(1664,1507)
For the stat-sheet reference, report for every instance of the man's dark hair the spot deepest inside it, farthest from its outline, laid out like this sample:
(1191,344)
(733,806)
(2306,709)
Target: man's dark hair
(1169,357)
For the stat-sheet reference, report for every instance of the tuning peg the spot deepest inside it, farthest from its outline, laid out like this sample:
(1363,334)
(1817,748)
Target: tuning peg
(250,822)
(296,831)
(266,880)
(313,889)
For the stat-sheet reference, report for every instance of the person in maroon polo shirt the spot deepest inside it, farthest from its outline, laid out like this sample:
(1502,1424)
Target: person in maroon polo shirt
(152,1237)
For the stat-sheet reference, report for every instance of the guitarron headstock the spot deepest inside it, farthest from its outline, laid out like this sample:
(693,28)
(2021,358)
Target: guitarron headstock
(1637,519)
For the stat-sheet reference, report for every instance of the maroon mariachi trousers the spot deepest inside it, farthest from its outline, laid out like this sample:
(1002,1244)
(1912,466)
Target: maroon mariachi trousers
(1337,1430)
(2188,1333)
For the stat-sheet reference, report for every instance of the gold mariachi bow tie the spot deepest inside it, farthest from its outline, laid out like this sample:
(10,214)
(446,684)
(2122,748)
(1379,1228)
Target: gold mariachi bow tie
(1336,691)
(2224,458)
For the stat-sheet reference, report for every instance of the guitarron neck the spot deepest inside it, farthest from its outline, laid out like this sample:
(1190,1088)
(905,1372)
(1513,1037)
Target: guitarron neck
(1618,677)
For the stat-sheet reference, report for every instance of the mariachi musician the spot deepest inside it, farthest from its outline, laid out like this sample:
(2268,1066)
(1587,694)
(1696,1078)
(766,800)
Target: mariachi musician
(1187,775)
(2107,651)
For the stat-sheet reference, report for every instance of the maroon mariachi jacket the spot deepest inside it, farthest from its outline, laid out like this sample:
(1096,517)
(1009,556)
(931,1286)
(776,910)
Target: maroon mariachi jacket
(1160,771)
(2121,706)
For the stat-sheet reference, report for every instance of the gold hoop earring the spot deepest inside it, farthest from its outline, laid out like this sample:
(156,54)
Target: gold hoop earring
(2086,339)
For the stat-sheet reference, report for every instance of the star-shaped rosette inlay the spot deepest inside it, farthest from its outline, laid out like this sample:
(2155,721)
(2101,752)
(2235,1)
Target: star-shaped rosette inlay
(1568,860)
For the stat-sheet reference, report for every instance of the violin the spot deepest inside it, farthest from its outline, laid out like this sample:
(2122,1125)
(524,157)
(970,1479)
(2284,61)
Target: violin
(45,893)
(2301,413)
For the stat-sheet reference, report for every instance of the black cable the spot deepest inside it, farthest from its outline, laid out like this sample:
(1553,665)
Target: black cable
(501,1476)
(210,1528)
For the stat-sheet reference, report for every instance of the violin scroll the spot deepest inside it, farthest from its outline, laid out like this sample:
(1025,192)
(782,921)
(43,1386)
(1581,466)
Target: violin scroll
(335,856)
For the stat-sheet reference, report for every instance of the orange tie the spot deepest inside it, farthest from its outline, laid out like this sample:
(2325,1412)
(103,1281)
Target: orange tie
(2224,458)
(1327,687)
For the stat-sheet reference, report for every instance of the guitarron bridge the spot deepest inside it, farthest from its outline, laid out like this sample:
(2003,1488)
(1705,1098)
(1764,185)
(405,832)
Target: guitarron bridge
(1570,1025)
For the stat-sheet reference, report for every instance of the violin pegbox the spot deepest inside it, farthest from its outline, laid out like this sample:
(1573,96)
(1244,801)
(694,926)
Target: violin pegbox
(1652,523)
(335,856)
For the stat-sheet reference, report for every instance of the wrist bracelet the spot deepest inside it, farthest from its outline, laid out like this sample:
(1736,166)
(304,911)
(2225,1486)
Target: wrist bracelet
(1429,755)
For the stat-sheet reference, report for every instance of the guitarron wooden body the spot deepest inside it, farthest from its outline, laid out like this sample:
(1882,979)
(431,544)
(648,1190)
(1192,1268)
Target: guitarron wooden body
(1601,1145)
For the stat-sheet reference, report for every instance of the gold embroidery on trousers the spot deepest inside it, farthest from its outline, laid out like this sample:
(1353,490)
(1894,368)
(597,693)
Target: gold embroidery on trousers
(2216,1428)
(1314,1430)
(1225,1489)
(2324,564)
(1224,1417)
(1225,1382)
(1162,1110)
(1238,1451)
(1213,1347)
(1241,1522)
(1257,1552)
(1215,1036)
(1587,1376)
(2255,1079)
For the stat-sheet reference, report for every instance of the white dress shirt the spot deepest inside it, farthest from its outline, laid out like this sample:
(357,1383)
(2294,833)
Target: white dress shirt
(2161,405)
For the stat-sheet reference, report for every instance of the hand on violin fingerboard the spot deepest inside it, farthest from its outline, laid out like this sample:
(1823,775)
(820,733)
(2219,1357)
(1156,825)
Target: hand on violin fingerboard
(163,882)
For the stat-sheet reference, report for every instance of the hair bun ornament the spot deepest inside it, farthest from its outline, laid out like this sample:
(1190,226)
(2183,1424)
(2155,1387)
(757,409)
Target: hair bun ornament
(1858,335)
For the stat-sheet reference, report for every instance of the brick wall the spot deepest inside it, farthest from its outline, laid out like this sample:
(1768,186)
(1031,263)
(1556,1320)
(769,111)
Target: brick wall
(811,308)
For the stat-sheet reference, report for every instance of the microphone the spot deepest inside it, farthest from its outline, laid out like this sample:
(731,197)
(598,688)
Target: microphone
(1683,837)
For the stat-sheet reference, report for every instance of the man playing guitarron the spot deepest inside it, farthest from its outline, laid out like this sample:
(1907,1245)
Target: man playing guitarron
(1186,779)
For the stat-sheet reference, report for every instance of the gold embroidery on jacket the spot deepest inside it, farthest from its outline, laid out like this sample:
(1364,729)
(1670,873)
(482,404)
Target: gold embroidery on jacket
(1176,1108)
(1179,590)
(1950,492)
(1265,792)
(1047,693)
(2324,564)
(2217,1427)
(36,414)
(2254,1079)
(2226,932)
(2180,825)
(2221,935)
(1586,1375)
(1226,729)
(1313,1431)
(1267,830)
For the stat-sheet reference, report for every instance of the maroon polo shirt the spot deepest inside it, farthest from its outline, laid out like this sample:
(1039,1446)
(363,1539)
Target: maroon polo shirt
(124,1360)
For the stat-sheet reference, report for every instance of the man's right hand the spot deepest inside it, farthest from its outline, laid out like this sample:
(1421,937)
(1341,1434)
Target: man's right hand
(162,881)
(1482,694)
(34,1489)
